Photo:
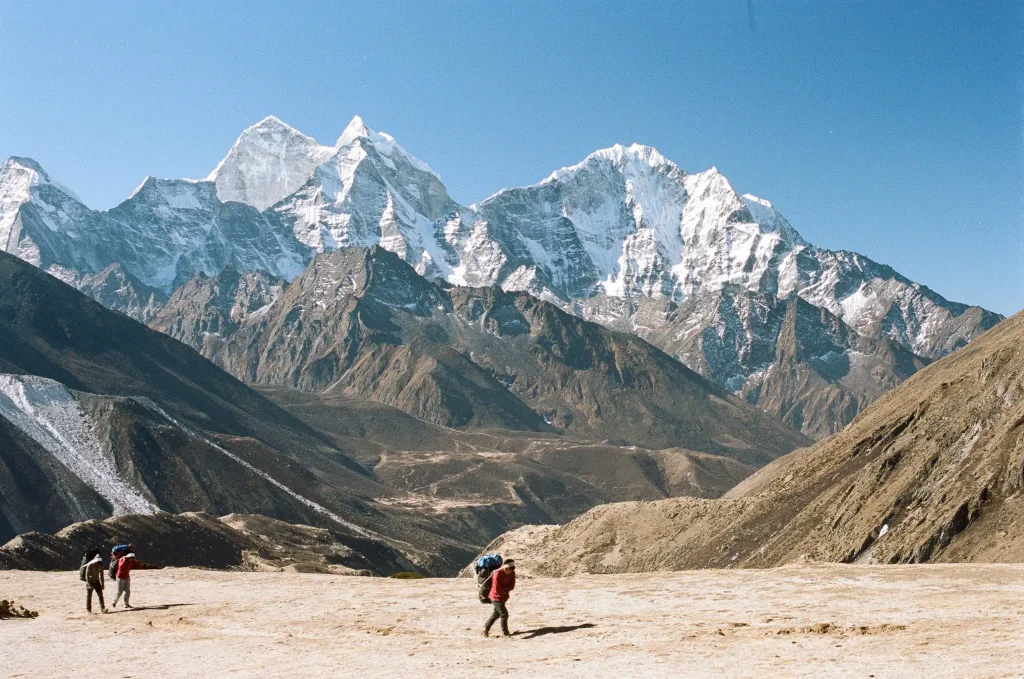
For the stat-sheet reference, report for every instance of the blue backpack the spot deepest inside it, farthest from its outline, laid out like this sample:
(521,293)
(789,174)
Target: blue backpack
(488,562)
(116,553)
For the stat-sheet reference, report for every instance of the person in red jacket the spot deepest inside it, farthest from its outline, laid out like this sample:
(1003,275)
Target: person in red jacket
(125,565)
(503,581)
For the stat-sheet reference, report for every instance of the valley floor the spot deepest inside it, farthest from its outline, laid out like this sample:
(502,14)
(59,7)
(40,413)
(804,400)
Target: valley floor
(808,621)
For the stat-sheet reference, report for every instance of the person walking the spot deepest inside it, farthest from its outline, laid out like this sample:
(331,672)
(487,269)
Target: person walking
(503,581)
(91,572)
(125,565)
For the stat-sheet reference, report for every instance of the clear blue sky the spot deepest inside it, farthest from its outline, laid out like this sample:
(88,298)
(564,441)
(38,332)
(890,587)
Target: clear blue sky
(890,128)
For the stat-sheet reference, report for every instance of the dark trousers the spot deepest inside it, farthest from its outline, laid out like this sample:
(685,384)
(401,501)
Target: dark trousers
(499,612)
(89,588)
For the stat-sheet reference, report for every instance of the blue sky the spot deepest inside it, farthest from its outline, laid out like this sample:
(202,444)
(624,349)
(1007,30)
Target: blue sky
(893,129)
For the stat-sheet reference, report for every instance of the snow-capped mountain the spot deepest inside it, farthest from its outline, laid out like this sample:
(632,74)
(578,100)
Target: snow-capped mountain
(371,191)
(269,161)
(166,231)
(626,238)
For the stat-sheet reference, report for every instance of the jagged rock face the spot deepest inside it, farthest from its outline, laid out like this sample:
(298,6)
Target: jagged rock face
(117,289)
(206,310)
(791,359)
(163,234)
(624,232)
(824,373)
(364,321)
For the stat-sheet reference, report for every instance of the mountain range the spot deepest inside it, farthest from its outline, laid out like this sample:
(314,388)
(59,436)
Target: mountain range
(102,416)
(362,321)
(628,239)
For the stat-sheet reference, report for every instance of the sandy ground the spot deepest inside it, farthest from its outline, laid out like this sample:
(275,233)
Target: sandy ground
(813,621)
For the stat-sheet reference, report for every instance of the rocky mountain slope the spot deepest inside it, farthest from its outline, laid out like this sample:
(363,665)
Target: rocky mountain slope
(626,238)
(102,416)
(365,322)
(235,541)
(930,472)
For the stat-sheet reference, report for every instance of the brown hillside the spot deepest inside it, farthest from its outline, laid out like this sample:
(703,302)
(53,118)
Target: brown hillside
(933,471)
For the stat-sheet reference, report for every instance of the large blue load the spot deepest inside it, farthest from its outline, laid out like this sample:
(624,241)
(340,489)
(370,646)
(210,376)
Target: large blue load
(488,562)
(485,567)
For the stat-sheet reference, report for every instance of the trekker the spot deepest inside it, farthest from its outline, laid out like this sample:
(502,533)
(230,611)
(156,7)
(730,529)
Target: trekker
(503,581)
(91,573)
(125,565)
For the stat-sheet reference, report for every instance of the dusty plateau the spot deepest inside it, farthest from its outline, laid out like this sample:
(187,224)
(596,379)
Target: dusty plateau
(796,621)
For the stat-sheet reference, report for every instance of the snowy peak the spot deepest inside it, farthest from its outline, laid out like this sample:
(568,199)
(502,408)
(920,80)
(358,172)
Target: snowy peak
(272,160)
(356,129)
(382,142)
(269,161)
(27,166)
(770,219)
(635,155)
(18,175)
(174,193)
(372,191)
(25,186)
(273,124)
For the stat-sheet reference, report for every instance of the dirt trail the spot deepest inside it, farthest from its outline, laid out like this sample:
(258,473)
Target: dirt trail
(809,621)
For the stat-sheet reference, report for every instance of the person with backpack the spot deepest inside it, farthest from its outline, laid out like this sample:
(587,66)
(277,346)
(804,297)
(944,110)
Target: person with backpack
(503,581)
(115,555)
(125,565)
(91,573)
(485,567)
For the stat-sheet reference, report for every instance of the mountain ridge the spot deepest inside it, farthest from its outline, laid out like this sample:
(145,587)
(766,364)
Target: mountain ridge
(101,416)
(624,224)
(363,320)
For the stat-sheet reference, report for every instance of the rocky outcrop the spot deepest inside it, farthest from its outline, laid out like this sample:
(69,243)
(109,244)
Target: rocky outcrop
(236,541)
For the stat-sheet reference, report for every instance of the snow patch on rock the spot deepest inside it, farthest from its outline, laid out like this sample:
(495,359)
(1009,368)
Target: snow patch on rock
(48,413)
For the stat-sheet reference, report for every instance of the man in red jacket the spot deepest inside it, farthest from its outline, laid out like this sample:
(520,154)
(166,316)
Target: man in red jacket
(125,565)
(503,581)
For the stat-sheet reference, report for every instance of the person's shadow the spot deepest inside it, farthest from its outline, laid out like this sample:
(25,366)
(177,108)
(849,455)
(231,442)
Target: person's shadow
(160,607)
(541,631)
